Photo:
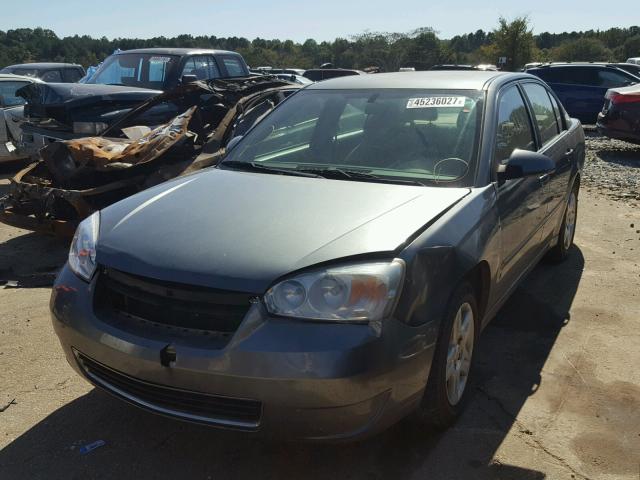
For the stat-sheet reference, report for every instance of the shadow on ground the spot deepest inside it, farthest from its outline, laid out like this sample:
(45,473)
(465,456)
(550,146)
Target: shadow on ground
(31,254)
(511,354)
(626,158)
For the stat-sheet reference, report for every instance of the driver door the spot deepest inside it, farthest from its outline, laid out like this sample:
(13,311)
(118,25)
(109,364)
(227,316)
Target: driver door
(520,202)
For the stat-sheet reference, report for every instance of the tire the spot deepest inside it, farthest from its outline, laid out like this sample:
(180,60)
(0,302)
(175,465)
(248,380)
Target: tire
(442,403)
(560,250)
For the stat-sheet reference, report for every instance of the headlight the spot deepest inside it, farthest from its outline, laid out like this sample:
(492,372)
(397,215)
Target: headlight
(82,254)
(89,128)
(359,292)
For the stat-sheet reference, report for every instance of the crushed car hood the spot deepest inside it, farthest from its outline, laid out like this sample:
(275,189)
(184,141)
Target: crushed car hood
(241,231)
(68,102)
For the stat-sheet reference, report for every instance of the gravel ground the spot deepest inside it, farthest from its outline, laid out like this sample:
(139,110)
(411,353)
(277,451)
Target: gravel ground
(612,167)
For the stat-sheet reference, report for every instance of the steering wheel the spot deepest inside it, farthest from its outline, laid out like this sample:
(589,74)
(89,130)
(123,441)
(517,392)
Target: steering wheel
(462,164)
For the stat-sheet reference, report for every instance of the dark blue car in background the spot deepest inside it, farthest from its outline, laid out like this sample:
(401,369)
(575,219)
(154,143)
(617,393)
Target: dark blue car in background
(581,87)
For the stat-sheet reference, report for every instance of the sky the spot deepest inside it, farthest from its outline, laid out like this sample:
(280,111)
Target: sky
(299,20)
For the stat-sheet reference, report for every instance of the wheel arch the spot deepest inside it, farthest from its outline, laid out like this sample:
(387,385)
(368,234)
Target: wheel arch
(480,279)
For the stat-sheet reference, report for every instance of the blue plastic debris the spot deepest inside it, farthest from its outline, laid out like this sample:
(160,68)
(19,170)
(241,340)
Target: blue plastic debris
(92,446)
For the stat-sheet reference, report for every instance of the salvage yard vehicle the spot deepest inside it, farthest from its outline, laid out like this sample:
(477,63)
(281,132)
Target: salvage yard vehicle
(12,116)
(581,86)
(123,80)
(320,74)
(332,274)
(48,72)
(620,115)
(171,134)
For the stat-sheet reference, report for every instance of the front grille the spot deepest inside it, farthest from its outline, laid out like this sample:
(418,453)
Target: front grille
(184,404)
(172,305)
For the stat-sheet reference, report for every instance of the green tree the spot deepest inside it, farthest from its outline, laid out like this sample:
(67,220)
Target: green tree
(513,40)
(631,47)
(582,49)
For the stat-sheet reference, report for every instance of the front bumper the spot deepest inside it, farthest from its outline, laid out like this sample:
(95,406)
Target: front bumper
(308,380)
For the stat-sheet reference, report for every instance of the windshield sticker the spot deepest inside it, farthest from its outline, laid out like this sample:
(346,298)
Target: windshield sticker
(160,59)
(435,102)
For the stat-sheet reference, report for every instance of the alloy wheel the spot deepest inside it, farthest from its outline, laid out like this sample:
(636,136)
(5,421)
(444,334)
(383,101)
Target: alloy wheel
(459,353)
(570,220)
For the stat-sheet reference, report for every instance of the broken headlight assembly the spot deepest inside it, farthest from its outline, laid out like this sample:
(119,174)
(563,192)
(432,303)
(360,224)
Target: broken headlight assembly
(362,292)
(82,254)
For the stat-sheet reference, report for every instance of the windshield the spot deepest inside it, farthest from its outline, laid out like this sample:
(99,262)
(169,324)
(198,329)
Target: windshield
(426,136)
(136,70)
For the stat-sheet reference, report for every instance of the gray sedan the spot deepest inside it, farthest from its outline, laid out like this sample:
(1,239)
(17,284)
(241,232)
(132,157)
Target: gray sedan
(332,275)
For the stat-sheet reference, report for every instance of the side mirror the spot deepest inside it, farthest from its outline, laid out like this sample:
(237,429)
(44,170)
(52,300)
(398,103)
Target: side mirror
(233,142)
(523,163)
(188,79)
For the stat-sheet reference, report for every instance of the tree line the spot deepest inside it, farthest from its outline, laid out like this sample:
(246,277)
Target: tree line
(421,48)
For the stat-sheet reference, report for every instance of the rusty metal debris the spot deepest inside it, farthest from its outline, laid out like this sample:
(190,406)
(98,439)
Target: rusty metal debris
(74,178)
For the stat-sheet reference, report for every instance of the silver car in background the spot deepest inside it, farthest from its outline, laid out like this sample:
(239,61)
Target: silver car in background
(12,116)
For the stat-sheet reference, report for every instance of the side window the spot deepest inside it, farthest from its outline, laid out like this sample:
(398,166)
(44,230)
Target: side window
(611,78)
(514,126)
(234,66)
(8,97)
(72,75)
(557,111)
(51,76)
(543,112)
(582,76)
(203,67)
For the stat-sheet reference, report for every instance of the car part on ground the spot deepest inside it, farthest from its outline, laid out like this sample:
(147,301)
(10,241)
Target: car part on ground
(73,178)
(330,276)
(620,115)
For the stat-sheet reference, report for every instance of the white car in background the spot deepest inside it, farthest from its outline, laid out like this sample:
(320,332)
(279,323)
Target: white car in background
(634,60)
(12,116)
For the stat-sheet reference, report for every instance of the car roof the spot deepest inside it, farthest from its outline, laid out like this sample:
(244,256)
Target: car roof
(436,79)
(43,65)
(176,51)
(11,76)
(579,64)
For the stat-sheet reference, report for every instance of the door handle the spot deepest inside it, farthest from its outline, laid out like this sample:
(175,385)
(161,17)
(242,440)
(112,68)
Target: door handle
(545,177)
(569,152)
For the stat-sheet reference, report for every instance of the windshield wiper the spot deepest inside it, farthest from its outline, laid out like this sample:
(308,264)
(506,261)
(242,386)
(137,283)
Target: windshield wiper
(259,167)
(356,175)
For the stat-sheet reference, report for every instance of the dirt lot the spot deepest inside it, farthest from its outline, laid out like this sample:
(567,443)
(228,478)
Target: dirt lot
(557,391)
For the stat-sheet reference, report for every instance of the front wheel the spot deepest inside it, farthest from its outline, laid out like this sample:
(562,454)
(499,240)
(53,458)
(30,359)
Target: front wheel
(567,230)
(451,368)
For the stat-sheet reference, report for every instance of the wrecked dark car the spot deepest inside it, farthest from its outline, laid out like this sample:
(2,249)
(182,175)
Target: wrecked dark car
(124,80)
(172,134)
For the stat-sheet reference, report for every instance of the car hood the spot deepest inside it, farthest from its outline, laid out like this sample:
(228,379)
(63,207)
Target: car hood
(241,231)
(69,102)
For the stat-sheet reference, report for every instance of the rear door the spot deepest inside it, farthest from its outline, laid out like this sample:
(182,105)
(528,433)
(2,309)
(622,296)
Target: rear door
(552,141)
(520,201)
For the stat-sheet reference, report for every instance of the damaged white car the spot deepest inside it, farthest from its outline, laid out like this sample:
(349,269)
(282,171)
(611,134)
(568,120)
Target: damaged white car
(12,116)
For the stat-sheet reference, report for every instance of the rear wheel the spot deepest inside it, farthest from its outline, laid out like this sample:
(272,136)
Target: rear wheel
(567,230)
(448,384)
